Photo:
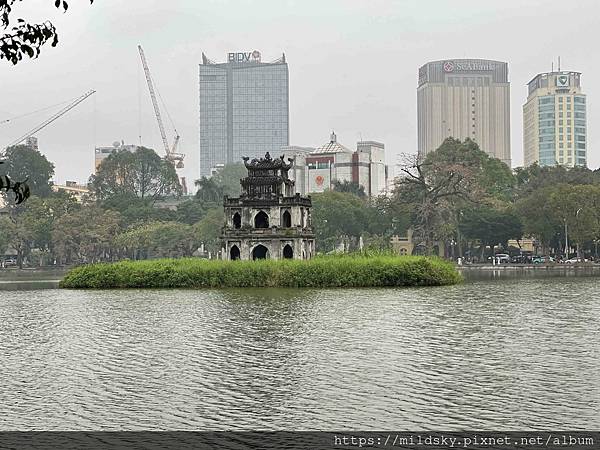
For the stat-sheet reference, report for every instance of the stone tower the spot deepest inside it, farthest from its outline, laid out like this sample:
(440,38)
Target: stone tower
(269,220)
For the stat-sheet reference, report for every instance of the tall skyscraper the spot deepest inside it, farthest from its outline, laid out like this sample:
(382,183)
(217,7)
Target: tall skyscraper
(464,98)
(244,109)
(554,120)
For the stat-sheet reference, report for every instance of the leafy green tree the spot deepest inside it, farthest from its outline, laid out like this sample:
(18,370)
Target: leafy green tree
(539,220)
(337,216)
(135,210)
(208,230)
(25,39)
(86,235)
(24,163)
(577,207)
(531,178)
(209,191)
(351,187)
(228,178)
(141,174)
(159,240)
(190,211)
(491,226)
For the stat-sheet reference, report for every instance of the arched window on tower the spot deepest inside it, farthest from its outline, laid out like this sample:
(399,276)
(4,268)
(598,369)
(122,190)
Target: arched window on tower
(237,221)
(261,220)
(288,252)
(286,220)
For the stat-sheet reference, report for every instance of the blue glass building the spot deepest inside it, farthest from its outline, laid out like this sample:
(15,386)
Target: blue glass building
(244,109)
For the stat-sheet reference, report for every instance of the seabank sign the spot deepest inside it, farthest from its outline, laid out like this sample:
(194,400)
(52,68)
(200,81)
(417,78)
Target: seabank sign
(240,57)
(468,66)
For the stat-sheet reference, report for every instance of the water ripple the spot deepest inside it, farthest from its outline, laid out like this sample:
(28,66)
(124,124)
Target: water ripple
(482,355)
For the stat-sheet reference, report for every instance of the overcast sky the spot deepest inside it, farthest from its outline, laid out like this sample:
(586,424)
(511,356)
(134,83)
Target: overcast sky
(353,65)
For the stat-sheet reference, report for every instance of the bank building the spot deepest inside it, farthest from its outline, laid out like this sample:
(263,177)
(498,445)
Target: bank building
(269,220)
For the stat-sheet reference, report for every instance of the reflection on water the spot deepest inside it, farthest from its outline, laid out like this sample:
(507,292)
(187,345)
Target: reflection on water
(481,355)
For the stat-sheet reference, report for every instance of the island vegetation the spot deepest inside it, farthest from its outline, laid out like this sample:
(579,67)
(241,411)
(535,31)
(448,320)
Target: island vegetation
(351,270)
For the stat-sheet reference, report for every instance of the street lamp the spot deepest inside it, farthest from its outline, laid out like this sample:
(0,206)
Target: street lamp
(567,238)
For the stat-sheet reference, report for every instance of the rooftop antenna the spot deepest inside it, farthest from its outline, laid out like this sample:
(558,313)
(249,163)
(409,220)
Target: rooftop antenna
(559,63)
(552,66)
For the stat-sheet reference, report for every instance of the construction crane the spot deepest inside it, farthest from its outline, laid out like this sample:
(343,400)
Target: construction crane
(171,151)
(52,118)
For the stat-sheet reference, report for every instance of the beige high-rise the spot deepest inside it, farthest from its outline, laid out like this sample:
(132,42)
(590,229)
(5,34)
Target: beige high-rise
(464,98)
(554,121)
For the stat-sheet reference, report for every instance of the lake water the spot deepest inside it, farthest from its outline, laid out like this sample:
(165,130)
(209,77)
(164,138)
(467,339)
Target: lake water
(521,354)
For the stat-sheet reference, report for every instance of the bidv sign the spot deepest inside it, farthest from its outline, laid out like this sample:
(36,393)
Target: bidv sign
(243,57)
(468,66)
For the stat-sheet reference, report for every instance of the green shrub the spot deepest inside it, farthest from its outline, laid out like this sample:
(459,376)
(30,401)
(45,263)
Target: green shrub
(354,270)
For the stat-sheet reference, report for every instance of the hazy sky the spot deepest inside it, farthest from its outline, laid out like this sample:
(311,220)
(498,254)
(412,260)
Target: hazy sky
(353,65)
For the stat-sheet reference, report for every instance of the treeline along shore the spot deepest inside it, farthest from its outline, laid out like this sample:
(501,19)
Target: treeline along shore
(325,272)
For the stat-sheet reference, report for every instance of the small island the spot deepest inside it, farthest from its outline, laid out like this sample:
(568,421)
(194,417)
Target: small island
(269,242)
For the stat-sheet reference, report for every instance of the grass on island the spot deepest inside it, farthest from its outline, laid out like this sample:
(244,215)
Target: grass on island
(358,270)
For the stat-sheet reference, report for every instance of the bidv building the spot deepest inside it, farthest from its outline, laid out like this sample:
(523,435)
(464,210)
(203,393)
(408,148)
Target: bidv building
(244,108)
(464,98)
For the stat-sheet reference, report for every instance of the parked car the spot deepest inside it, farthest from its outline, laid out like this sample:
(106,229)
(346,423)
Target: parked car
(542,259)
(576,260)
(10,262)
(501,258)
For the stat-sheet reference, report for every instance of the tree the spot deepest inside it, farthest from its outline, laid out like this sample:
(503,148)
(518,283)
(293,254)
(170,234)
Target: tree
(208,230)
(577,207)
(351,187)
(190,211)
(25,163)
(457,176)
(141,174)
(539,220)
(491,226)
(159,240)
(87,235)
(25,39)
(228,178)
(209,190)
(337,216)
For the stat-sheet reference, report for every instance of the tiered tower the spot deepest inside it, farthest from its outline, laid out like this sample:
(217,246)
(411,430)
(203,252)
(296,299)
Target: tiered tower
(269,220)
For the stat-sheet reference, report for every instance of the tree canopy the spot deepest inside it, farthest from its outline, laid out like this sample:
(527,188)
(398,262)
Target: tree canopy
(142,174)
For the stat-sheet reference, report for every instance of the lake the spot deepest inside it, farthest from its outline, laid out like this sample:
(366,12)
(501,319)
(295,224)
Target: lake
(515,354)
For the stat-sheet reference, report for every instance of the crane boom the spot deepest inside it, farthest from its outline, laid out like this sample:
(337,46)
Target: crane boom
(52,118)
(161,126)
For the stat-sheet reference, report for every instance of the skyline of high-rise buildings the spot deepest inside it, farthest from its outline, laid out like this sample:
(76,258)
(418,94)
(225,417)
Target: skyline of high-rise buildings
(554,120)
(244,108)
(464,98)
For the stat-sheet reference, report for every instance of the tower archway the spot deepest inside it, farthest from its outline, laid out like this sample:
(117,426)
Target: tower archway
(288,252)
(286,220)
(261,220)
(234,253)
(260,252)
(237,221)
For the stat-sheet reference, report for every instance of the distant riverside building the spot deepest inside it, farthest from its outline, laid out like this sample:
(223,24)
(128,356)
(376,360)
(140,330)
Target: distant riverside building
(79,191)
(464,98)
(554,120)
(101,153)
(316,169)
(244,109)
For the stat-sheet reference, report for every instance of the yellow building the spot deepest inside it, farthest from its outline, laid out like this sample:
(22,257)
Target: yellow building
(554,120)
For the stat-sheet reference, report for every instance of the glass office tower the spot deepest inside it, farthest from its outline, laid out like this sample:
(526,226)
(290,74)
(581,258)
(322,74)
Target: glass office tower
(554,120)
(244,109)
